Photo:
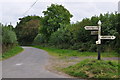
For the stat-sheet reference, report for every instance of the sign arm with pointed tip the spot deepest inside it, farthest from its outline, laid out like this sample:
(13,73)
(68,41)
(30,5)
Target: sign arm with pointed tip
(97,29)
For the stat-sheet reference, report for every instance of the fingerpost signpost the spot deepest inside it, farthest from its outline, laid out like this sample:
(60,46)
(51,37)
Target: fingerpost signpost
(96,30)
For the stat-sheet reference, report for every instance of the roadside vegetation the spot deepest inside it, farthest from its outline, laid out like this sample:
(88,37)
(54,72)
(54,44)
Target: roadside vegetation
(12,52)
(63,53)
(8,42)
(94,69)
(83,64)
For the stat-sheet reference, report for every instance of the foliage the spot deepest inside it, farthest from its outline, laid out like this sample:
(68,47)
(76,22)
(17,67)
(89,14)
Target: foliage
(1,33)
(55,16)
(110,27)
(8,40)
(8,37)
(94,69)
(118,35)
(40,39)
(74,36)
(27,29)
(62,36)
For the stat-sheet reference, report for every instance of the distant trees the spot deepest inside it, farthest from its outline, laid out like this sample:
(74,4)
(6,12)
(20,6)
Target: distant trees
(27,29)
(54,29)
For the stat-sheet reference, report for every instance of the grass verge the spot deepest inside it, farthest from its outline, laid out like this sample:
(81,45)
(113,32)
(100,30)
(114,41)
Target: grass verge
(94,69)
(69,53)
(12,52)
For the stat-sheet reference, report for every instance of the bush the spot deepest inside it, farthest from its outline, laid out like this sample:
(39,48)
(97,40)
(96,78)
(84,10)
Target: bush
(118,50)
(84,47)
(8,36)
(62,36)
(0,39)
(93,48)
(63,46)
(76,46)
(40,39)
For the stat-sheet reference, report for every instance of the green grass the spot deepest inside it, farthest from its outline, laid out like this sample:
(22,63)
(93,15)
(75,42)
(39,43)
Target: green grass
(94,69)
(68,53)
(12,52)
(87,68)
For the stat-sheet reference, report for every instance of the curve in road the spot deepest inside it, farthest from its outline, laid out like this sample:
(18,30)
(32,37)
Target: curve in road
(28,64)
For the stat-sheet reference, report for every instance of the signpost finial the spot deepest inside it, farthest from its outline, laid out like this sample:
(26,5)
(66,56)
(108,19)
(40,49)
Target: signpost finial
(99,22)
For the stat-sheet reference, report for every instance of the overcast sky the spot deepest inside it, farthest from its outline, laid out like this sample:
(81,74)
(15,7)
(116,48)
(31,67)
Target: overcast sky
(11,10)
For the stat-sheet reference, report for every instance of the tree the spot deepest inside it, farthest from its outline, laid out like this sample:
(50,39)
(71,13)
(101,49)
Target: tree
(74,36)
(40,39)
(8,37)
(27,29)
(54,17)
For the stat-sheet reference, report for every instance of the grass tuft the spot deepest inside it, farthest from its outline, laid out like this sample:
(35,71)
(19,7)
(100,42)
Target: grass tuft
(94,69)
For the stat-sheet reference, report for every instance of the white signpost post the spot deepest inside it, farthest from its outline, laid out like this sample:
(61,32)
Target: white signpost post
(97,29)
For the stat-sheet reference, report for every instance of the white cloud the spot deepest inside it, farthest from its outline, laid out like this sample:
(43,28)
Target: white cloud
(82,10)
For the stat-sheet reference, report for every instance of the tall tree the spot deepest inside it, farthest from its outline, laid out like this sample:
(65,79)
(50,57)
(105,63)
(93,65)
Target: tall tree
(55,16)
(27,29)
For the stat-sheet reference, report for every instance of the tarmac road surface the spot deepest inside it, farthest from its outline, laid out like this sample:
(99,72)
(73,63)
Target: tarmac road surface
(28,64)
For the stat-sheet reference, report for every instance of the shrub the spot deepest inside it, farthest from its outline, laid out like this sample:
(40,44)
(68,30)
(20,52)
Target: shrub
(40,39)
(63,46)
(93,48)
(76,46)
(8,37)
(62,36)
(0,39)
